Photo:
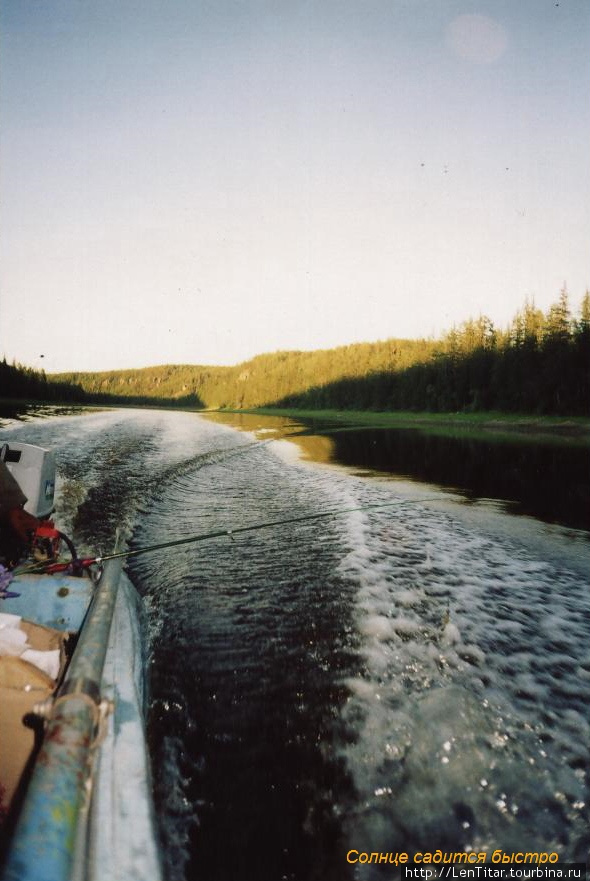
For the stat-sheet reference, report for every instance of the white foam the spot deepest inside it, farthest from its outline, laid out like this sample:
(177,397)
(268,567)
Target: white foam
(469,638)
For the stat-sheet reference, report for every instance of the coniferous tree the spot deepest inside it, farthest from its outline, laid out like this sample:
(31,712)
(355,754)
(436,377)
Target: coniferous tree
(537,364)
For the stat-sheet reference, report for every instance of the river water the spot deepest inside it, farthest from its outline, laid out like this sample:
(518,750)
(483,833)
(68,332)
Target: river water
(407,678)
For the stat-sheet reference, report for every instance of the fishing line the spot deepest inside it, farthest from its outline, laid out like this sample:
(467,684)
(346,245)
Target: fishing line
(219,533)
(229,533)
(218,457)
(214,457)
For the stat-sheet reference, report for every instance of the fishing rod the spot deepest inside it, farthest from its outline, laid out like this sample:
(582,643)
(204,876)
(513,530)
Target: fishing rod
(84,563)
(76,565)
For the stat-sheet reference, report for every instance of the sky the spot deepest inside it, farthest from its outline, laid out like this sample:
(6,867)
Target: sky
(200,181)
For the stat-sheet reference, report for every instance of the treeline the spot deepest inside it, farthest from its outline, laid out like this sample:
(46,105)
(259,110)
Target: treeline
(262,380)
(539,364)
(25,383)
(18,382)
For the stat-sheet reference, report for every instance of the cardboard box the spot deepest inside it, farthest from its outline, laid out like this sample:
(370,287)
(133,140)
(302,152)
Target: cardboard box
(22,685)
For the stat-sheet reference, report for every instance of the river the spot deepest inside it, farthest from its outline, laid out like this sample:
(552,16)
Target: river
(408,678)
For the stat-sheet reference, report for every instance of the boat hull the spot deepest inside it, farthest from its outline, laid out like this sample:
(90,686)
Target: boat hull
(57,601)
(121,828)
(87,812)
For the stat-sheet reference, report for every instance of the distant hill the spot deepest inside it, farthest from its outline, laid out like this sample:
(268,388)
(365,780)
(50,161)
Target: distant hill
(262,380)
(539,364)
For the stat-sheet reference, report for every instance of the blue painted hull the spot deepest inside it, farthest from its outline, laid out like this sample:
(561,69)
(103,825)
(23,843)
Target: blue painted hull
(57,601)
(87,813)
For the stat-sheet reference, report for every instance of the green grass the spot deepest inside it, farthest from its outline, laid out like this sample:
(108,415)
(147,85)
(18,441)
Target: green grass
(491,425)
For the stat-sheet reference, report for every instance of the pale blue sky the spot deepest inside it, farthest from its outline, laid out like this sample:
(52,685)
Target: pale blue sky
(199,182)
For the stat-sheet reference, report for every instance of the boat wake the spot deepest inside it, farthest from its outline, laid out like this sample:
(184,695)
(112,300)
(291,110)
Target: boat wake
(403,678)
(468,723)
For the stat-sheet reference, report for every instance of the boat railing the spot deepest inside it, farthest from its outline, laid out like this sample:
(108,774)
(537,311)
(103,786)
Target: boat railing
(48,838)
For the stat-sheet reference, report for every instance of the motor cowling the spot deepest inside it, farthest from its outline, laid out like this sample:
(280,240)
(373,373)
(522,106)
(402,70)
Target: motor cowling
(33,468)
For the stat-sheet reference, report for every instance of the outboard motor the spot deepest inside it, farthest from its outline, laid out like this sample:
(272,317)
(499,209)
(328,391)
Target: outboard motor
(33,468)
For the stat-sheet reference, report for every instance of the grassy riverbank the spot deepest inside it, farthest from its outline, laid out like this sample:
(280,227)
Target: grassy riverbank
(491,424)
(575,429)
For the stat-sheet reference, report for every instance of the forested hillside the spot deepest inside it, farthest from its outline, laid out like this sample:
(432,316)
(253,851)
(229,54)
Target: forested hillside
(17,381)
(539,364)
(262,380)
